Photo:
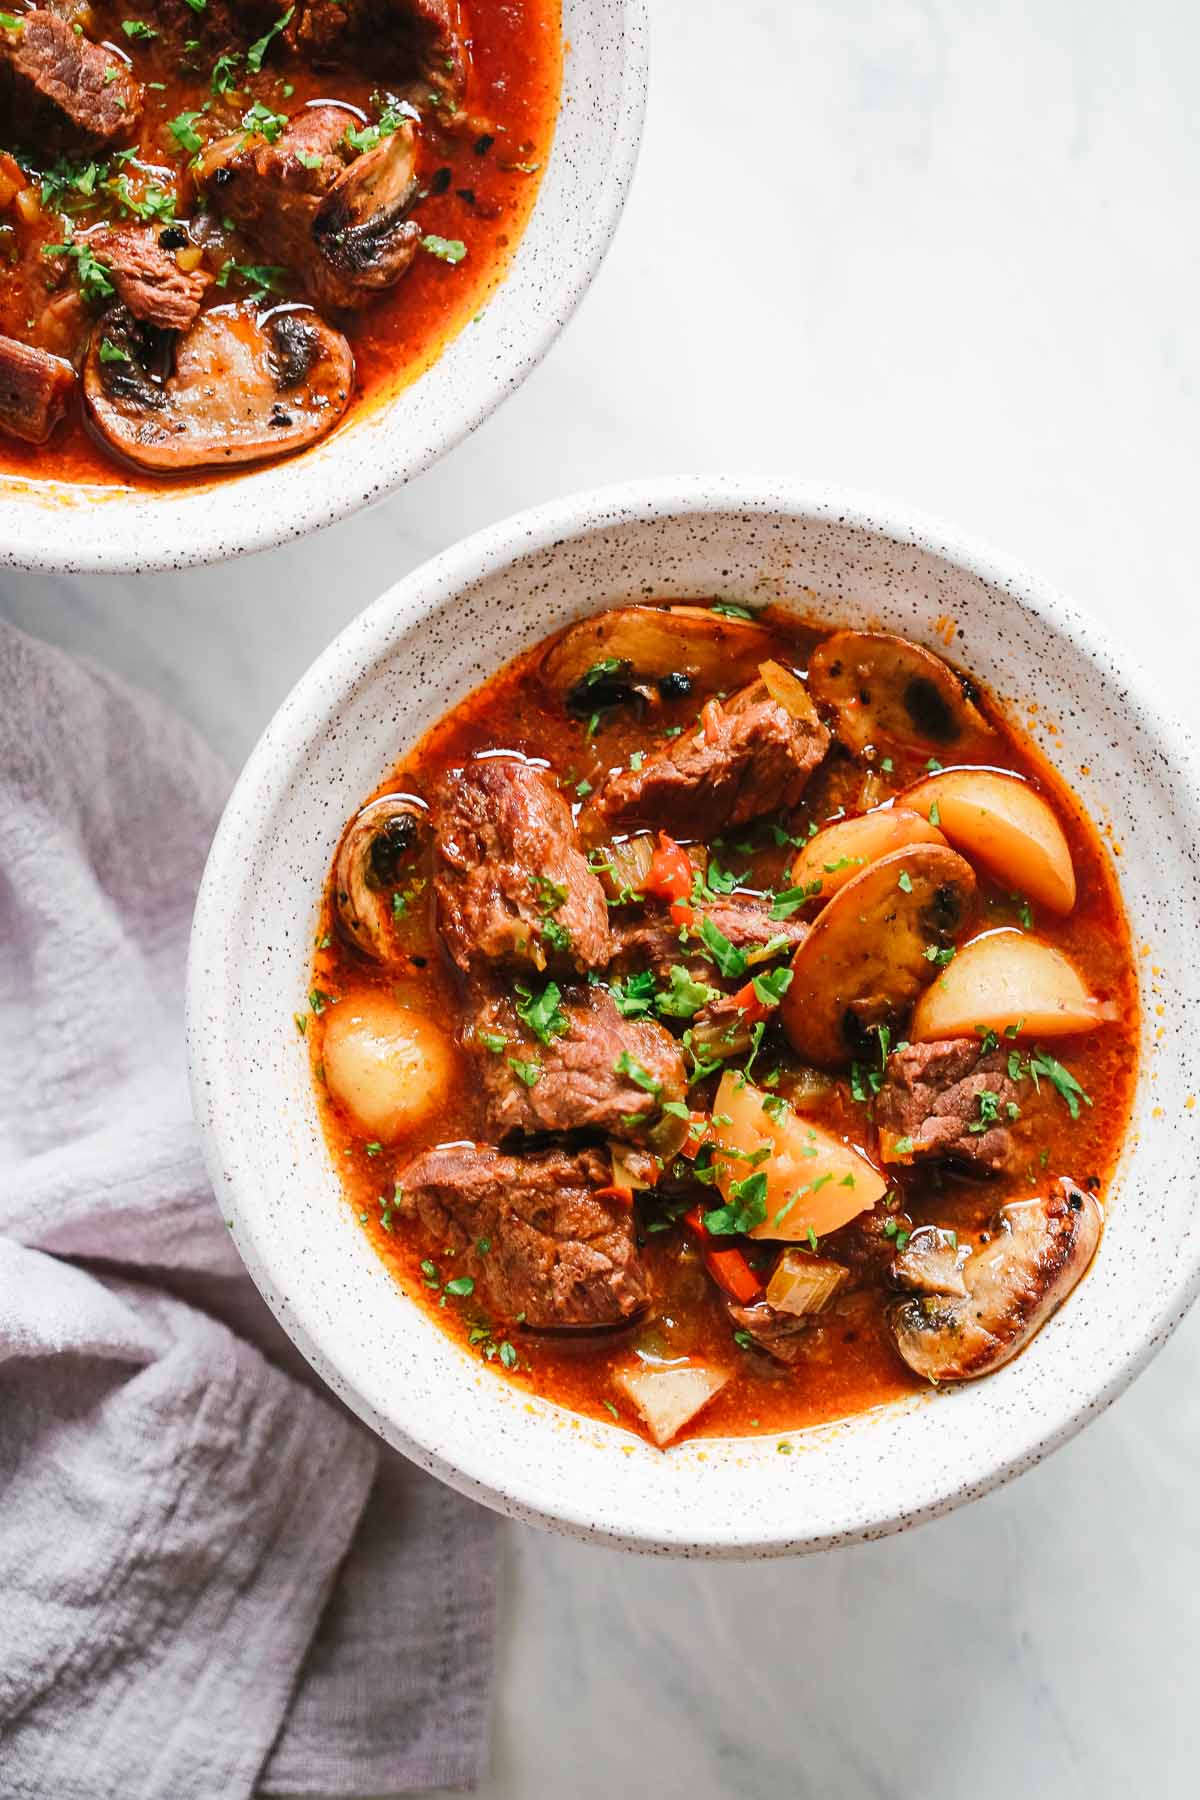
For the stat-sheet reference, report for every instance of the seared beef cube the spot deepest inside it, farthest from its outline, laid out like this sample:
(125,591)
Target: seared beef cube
(61,91)
(560,1250)
(34,390)
(744,759)
(147,278)
(949,1101)
(779,1333)
(599,1072)
(338,221)
(650,938)
(511,883)
(407,39)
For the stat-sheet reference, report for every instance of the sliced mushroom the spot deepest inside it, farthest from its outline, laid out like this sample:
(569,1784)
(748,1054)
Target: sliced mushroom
(380,860)
(931,1263)
(360,226)
(1013,1283)
(884,688)
(872,950)
(234,389)
(652,650)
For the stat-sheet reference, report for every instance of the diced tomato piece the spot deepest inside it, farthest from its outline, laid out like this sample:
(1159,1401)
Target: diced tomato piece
(670,875)
(748,1002)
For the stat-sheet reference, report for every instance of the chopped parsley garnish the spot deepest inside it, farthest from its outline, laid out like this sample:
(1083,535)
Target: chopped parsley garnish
(769,989)
(257,50)
(903,1146)
(685,996)
(461,1286)
(935,814)
(92,274)
(528,1072)
(786,902)
(550,894)
(495,1041)
(508,1355)
(940,957)
(224,73)
(989,1111)
(447,250)
(728,610)
(542,1012)
(745,1208)
(634,997)
(318,999)
(138,29)
(729,960)
(599,671)
(1042,1063)
(261,119)
(183,129)
(262,279)
(8,22)
(1024,911)
(110,353)
(905,882)
(640,1077)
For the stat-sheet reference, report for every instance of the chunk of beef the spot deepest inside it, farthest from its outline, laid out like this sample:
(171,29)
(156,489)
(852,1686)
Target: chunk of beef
(336,220)
(34,390)
(949,1101)
(584,1078)
(747,758)
(1012,1283)
(409,40)
(512,885)
(60,90)
(147,278)
(650,938)
(561,1251)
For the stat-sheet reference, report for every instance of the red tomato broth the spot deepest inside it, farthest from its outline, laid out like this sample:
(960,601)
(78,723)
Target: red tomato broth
(513,94)
(849,1363)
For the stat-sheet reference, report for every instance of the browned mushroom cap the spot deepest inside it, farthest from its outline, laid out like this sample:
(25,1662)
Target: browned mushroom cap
(884,688)
(360,226)
(1012,1284)
(381,859)
(240,389)
(631,649)
(867,956)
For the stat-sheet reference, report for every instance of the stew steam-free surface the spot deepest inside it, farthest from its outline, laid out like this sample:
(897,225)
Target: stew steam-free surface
(723,1024)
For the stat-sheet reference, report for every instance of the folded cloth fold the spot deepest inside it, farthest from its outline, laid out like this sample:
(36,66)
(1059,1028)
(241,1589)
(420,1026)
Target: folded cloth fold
(214,1581)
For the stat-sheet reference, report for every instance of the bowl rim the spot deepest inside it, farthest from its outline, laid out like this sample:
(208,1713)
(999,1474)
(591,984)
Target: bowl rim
(316,698)
(204,540)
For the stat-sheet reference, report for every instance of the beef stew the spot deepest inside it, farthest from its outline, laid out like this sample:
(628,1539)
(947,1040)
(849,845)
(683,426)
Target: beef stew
(724,1024)
(222,228)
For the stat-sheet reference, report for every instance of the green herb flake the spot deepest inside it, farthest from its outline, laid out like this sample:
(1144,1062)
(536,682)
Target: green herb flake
(728,610)
(460,1287)
(528,1072)
(138,30)
(183,129)
(257,50)
(447,250)
(729,960)
(640,1077)
(905,882)
(508,1355)
(745,1208)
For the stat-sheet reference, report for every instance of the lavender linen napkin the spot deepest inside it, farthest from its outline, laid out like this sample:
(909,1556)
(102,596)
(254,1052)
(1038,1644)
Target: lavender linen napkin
(212,1581)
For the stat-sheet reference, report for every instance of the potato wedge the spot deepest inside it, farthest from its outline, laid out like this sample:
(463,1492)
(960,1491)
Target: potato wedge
(885,689)
(1004,825)
(871,951)
(669,1398)
(388,1066)
(1006,979)
(603,659)
(832,858)
(814,1182)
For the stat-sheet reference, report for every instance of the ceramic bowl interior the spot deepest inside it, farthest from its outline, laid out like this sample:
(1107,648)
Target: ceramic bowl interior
(53,525)
(394,672)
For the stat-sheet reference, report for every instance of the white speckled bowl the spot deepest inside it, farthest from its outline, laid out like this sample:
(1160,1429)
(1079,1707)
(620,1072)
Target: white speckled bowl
(390,675)
(53,525)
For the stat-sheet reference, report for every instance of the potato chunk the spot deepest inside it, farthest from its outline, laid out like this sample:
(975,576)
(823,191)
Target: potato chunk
(1004,825)
(814,1182)
(388,1066)
(669,1399)
(1006,980)
(837,854)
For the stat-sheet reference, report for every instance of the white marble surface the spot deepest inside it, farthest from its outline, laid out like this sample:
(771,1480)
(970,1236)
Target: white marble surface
(944,252)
